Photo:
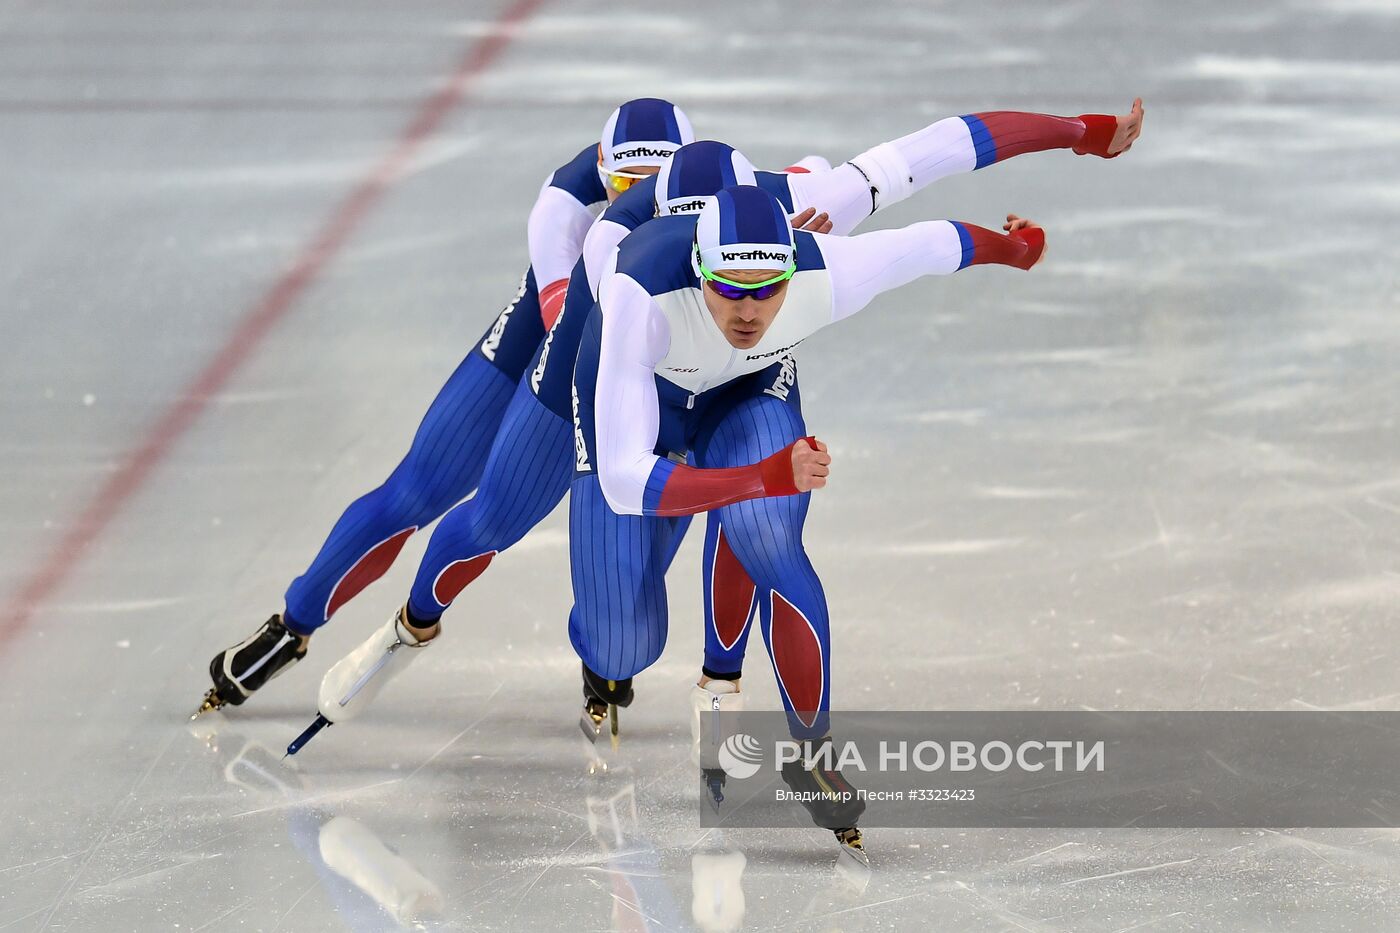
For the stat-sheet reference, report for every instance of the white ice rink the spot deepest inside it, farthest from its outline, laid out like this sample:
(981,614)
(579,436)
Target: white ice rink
(1161,471)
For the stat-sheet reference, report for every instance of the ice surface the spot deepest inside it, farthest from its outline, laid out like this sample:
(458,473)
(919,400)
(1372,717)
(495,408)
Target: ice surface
(1158,472)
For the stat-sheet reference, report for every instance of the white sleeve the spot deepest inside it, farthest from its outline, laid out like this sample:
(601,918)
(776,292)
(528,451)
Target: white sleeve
(598,246)
(626,410)
(894,170)
(841,192)
(862,267)
(558,224)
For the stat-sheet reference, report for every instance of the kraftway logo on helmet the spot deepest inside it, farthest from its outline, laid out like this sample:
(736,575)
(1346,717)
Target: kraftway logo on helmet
(687,207)
(642,152)
(754,254)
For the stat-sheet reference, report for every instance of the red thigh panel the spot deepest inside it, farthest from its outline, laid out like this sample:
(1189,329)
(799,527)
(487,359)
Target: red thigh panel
(732,594)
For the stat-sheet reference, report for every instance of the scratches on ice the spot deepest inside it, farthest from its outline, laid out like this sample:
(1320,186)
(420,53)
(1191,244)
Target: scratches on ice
(1127,871)
(964,416)
(1381,590)
(1004,913)
(1036,855)
(1386,701)
(1363,75)
(952,548)
(1130,218)
(1150,921)
(1077,356)
(118,606)
(1025,492)
(121,884)
(299,175)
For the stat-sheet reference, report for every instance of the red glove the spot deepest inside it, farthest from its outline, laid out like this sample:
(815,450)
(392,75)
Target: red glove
(776,470)
(1034,238)
(1098,135)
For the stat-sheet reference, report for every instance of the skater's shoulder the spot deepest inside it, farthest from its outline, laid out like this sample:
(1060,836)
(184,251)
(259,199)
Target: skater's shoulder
(579,177)
(776,184)
(809,251)
(657,255)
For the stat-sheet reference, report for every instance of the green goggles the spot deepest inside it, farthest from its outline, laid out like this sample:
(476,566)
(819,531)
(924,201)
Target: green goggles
(737,291)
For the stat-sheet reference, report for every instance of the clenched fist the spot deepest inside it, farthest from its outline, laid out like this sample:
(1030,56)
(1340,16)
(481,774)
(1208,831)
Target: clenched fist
(810,466)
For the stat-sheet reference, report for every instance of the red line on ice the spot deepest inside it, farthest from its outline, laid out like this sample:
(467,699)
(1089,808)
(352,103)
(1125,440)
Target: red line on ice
(255,324)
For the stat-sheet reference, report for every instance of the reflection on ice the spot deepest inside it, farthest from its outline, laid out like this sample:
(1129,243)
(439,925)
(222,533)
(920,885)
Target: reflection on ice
(352,851)
(362,877)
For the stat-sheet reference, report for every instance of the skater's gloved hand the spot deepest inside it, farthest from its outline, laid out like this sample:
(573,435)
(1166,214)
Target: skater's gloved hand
(801,466)
(1109,136)
(1029,233)
(812,222)
(811,464)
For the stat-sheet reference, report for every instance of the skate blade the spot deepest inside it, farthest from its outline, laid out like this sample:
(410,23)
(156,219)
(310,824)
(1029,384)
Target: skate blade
(713,781)
(307,734)
(595,756)
(853,863)
(591,726)
(212,702)
(612,724)
(853,870)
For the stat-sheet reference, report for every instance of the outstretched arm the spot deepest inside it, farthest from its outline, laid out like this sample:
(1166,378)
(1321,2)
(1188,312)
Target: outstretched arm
(626,412)
(892,171)
(862,267)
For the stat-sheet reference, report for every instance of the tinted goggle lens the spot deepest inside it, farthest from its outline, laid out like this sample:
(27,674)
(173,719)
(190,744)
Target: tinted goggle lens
(736,293)
(620,181)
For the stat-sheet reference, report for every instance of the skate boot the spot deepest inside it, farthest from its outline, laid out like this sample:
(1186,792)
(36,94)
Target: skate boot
(358,677)
(708,730)
(829,799)
(601,699)
(242,670)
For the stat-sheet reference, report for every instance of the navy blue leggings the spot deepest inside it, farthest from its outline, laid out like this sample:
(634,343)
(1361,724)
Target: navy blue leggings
(619,621)
(443,466)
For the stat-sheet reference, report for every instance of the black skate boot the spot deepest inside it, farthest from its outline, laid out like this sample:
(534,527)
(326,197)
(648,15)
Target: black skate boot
(601,699)
(829,798)
(242,670)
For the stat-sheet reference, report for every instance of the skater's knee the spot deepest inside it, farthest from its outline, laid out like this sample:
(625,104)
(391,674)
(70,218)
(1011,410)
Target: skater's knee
(415,494)
(622,648)
(615,666)
(765,535)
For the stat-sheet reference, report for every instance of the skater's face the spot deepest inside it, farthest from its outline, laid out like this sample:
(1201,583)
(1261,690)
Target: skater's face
(622,179)
(744,321)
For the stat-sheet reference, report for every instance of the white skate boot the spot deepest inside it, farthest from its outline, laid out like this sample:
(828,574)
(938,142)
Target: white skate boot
(706,725)
(358,677)
(709,729)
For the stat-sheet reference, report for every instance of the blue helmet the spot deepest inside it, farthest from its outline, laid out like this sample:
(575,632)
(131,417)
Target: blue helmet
(744,227)
(642,132)
(689,179)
